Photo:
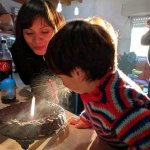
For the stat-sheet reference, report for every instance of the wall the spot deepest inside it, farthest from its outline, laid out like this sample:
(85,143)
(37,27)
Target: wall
(115,11)
(136,7)
(108,9)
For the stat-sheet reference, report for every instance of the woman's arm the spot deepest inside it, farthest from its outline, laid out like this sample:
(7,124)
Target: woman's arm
(23,68)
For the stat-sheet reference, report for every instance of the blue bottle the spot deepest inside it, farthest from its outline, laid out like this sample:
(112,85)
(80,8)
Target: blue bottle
(8,90)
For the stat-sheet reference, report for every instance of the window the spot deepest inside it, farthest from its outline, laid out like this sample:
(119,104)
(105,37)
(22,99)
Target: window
(137,69)
(139,28)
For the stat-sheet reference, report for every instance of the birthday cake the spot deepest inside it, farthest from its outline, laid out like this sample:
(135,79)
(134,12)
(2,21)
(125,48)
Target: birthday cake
(16,121)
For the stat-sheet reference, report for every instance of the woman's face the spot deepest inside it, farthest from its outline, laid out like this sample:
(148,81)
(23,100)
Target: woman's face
(38,36)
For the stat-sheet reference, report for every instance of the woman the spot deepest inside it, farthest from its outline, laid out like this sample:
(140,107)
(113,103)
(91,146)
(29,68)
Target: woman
(36,23)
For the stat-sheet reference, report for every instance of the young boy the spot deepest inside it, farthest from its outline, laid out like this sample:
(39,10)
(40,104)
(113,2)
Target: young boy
(84,56)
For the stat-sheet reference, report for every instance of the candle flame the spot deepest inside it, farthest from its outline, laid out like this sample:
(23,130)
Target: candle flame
(32,107)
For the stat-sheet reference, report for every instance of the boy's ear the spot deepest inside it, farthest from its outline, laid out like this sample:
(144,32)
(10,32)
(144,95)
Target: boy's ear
(79,74)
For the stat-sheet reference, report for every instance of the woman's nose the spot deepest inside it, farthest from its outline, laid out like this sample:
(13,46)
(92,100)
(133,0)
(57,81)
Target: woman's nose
(37,39)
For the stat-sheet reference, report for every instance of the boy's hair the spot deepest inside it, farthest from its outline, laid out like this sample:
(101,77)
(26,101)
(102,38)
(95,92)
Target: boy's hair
(84,45)
(106,25)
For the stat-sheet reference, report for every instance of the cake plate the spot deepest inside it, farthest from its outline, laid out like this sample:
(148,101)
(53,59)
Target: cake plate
(49,121)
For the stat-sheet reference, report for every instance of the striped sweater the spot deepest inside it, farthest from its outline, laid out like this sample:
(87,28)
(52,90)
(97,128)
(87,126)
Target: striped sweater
(118,111)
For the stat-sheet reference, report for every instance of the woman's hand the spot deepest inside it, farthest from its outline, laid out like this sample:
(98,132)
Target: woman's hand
(78,123)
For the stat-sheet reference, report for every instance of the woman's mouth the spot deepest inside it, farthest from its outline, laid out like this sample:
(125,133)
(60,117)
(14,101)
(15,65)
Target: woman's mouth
(39,48)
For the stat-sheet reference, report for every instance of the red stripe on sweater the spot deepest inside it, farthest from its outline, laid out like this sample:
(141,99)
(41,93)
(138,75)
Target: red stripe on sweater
(124,97)
(111,106)
(134,120)
(140,136)
(85,121)
(101,117)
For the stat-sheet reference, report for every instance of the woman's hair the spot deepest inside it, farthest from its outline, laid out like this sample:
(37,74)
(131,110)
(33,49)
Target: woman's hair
(30,11)
(84,45)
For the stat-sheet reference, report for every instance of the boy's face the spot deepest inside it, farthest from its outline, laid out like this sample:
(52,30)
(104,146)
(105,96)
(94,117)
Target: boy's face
(71,83)
(77,81)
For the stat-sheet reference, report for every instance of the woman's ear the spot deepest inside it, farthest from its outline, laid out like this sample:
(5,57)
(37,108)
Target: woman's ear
(79,74)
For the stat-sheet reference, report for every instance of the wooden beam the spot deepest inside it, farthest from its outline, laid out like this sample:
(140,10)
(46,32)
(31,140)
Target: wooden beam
(64,2)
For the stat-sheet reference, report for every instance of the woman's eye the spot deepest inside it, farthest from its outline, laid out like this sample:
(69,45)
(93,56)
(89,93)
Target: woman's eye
(45,32)
(28,33)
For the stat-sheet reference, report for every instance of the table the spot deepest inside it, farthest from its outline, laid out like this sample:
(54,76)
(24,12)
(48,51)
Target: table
(71,139)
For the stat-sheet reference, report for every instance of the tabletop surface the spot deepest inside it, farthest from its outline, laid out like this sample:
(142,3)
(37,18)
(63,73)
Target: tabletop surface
(70,139)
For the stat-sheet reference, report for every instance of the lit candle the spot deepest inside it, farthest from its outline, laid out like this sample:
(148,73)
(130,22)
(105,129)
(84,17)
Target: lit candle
(32,107)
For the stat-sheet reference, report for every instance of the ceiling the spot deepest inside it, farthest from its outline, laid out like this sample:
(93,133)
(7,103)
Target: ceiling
(64,2)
